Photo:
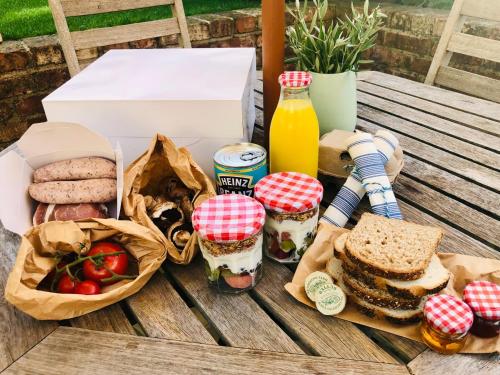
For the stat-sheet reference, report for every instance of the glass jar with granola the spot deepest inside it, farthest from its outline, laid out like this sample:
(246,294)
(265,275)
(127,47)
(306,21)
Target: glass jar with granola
(230,236)
(291,200)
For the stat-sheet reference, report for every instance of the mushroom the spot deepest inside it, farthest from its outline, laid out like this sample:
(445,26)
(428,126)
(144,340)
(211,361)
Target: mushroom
(179,234)
(186,207)
(165,213)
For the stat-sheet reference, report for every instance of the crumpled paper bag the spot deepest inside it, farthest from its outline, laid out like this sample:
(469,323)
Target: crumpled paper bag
(144,177)
(463,268)
(35,259)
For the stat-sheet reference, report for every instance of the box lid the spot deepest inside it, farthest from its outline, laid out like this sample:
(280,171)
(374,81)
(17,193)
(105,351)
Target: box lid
(162,74)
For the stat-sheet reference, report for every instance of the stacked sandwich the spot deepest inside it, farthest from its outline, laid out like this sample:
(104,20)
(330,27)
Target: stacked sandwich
(388,267)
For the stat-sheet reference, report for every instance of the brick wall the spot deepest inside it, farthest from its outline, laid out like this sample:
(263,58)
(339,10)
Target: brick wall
(33,67)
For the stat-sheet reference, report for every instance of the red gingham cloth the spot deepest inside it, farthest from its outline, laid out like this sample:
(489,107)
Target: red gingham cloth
(295,79)
(484,299)
(287,192)
(228,217)
(448,314)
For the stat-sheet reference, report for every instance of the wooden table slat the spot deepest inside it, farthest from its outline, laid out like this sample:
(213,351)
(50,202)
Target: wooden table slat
(109,319)
(442,159)
(430,362)
(446,142)
(237,318)
(163,314)
(466,103)
(18,331)
(321,334)
(71,351)
(467,119)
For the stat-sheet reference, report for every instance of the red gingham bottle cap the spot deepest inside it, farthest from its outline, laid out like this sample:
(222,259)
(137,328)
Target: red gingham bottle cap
(295,79)
(228,217)
(288,192)
(448,314)
(483,298)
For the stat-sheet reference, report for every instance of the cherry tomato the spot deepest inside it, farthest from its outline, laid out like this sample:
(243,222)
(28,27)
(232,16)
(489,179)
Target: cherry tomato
(239,281)
(87,287)
(66,284)
(116,263)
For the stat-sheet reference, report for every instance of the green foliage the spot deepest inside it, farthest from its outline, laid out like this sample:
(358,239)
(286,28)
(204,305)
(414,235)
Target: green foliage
(24,18)
(335,47)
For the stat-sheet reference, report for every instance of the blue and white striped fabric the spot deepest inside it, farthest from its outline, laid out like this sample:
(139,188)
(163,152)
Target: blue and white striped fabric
(349,196)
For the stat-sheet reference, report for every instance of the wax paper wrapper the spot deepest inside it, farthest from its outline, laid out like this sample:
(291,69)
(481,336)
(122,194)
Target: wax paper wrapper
(35,259)
(147,176)
(463,268)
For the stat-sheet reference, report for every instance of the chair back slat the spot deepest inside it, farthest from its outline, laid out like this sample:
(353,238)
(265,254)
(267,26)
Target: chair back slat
(84,7)
(476,46)
(454,41)
(469,83)
(120,34)
(484,9)
(72,42)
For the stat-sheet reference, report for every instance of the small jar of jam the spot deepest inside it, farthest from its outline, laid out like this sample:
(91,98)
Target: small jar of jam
(483,297)
(446,323)
(291,201)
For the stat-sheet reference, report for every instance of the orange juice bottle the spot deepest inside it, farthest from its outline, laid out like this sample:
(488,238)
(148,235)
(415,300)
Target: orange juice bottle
(294,133)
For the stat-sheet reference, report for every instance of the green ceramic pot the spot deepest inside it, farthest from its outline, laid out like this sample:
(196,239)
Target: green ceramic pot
(334,100)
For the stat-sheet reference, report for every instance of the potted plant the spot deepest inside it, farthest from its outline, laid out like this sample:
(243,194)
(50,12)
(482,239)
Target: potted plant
(332,53)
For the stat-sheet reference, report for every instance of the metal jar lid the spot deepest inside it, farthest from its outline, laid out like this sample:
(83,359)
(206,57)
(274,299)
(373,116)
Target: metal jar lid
(240,155)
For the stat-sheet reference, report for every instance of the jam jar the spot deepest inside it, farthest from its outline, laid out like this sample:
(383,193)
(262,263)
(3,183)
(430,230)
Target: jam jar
(291,201)
(446,323)
(483,297)
(229,229)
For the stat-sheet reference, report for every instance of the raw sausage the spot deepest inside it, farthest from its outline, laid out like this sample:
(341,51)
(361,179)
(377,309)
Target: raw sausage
(99,190)
(76,169)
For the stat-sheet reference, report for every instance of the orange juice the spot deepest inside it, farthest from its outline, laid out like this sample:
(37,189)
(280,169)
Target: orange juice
(294,133)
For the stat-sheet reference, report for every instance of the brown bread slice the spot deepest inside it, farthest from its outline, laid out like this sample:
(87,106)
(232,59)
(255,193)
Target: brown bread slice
(398,316)
(391,248)
(434,279)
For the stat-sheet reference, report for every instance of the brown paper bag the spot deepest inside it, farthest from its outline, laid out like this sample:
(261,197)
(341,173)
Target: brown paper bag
(35,260)
(144,177)
(463,268)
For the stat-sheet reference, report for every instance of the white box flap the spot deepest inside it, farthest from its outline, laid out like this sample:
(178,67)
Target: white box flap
(46,143)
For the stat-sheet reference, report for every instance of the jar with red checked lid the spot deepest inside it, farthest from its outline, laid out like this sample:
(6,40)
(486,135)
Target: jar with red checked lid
(446,324)
(483,297)
(291,200)
(229,229)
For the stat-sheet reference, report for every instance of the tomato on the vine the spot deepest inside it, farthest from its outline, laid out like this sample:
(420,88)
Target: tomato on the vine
(66,284)
(103,268)
(87,287)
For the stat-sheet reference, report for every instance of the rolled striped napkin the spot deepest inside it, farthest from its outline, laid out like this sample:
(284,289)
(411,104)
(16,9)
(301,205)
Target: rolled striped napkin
(349,196)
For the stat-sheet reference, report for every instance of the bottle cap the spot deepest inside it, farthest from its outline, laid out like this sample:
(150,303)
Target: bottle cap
(295,79)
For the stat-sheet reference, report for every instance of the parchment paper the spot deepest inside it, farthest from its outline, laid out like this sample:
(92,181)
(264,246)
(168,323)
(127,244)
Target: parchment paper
(35,260)
(144,176)
(463,268)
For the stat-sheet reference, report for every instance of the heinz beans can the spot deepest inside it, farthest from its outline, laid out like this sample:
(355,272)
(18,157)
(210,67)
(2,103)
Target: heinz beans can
(239,167)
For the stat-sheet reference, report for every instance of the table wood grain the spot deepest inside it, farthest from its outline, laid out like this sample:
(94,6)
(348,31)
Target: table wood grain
(451,179)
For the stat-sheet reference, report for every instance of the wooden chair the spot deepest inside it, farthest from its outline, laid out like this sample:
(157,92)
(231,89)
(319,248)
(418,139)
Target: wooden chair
(78,40)
(454,41)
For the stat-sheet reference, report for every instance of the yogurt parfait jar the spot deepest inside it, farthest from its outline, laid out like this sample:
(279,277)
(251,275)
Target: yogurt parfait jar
(291,200)
(230,236)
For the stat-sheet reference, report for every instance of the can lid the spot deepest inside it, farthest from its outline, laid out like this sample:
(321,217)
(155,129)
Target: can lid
(240,155)
(448,314)
(483,297)
(288,192)
(295,79)
(228,217)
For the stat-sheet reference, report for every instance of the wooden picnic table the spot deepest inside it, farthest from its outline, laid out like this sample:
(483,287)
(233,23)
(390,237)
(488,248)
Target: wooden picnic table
(177,324)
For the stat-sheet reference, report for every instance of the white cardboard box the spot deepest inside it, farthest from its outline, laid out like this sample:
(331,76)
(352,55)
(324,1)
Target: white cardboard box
(201,98)
(43,144)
